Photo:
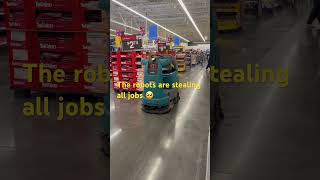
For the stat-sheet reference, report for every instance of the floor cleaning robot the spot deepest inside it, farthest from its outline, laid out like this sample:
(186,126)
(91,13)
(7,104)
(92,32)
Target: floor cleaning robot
(159,71)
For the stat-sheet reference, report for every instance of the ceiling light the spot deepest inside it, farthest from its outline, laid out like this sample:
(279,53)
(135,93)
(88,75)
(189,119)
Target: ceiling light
(148,19)
(191,19)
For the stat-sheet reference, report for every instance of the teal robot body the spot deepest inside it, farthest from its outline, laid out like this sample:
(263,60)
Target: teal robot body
(160,73)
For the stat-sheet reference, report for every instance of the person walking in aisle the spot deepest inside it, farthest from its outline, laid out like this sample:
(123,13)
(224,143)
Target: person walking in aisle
(202,57)
(210,62)
(315,12)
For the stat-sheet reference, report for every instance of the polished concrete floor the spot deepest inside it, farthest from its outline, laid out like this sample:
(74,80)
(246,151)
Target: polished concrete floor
(43,148)
(157,147)
(271,133)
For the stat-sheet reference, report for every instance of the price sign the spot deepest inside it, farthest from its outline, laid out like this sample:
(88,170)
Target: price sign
(130,43)
(163,47)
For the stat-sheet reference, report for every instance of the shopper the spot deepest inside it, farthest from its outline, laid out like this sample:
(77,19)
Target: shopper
(210,62)
(315,12)
(201,58)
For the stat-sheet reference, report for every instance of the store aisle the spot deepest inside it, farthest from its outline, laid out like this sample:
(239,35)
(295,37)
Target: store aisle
(271,133)
(170,146)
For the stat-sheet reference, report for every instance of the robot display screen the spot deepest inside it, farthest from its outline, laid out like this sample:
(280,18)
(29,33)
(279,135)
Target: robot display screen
(153,68)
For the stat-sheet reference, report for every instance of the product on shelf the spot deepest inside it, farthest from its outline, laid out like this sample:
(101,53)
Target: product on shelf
(17,20)
(96,42)
(56,20)
(57,58)
(188,59)
(20,40)
(57,41)
(54,4)
(194,59)
(17,4)
(90,4)
(95,20)
(20,74)
(18,78)
(180,59)
(20,54)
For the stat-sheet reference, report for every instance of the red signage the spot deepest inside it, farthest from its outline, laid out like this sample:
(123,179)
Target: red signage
(129,38)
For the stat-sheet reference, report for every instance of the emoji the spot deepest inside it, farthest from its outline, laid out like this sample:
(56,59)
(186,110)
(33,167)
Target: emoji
(149,95)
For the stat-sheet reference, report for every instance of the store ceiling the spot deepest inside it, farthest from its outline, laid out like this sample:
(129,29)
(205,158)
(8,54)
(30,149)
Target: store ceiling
(168,13)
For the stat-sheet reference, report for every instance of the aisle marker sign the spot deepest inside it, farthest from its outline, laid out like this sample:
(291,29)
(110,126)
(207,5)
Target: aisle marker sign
(153,32)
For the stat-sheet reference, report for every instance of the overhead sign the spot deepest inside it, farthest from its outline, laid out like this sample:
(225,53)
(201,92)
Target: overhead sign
(153,32)
(177,41)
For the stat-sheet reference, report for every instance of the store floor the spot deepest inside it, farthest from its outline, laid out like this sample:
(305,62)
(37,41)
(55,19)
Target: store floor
(43,148)
(271,133)
(156,147)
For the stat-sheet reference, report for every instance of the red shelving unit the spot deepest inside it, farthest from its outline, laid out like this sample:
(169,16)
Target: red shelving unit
(65,34)
(126,67)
